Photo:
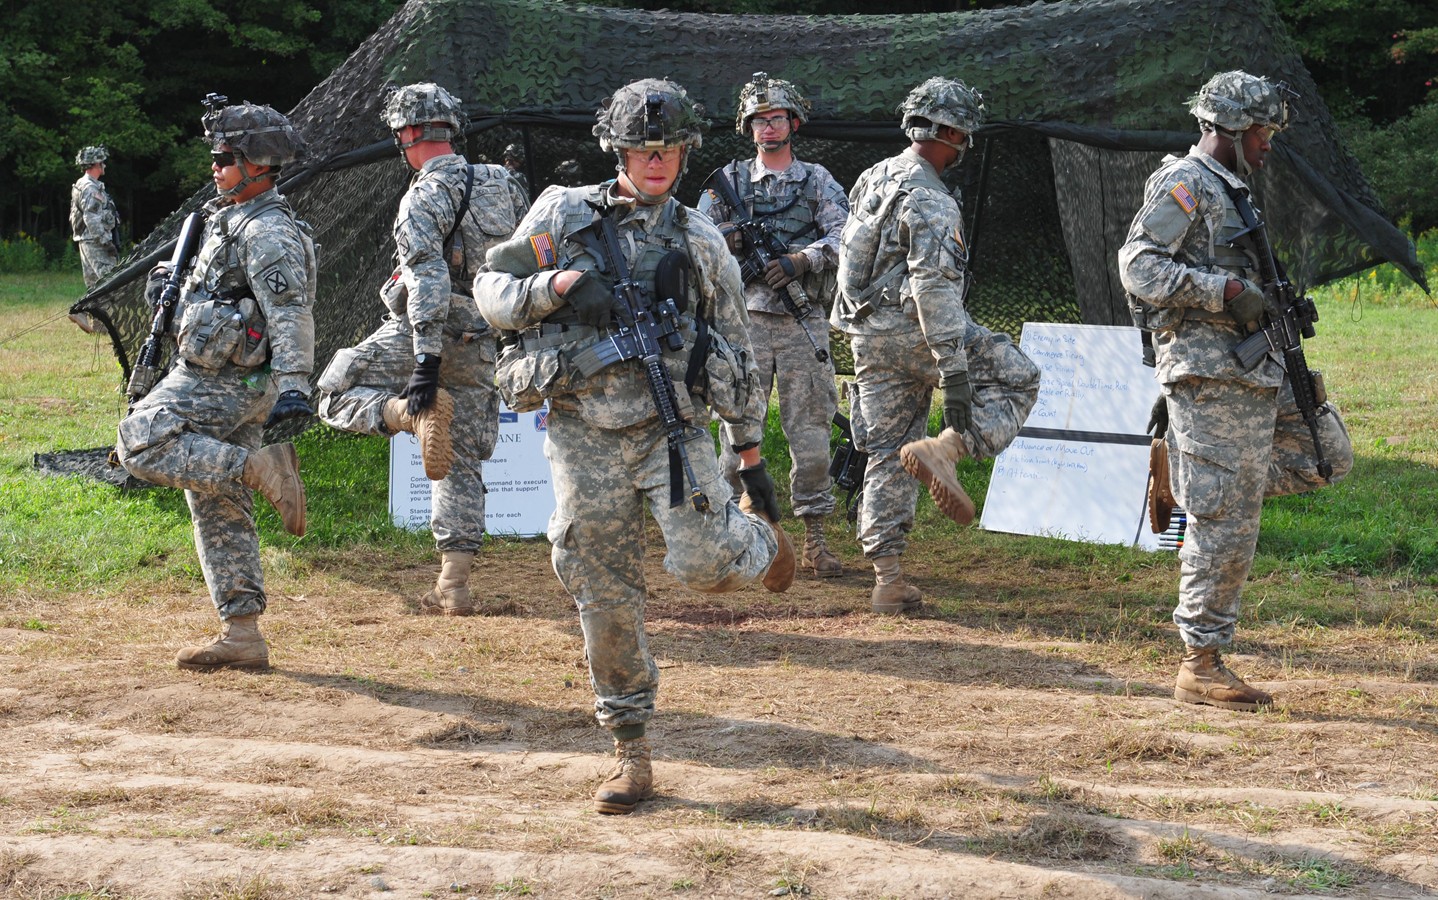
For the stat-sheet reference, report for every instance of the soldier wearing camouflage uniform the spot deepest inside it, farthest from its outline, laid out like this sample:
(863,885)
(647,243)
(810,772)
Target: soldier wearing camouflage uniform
(429,369)
(1233,436)
(903,274)
(94,220)
(514,165)
(806,209)
(245,352)
(606,446)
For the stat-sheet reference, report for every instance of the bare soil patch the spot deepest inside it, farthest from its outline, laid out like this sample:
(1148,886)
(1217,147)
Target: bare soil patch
(993,748)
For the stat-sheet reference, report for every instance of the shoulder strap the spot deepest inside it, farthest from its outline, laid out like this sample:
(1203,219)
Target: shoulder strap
(463,208)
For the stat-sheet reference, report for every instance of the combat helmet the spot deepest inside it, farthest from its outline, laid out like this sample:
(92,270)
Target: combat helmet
(91,156)
(650,114)
(513,153)
(942,101)
(1236,101)
(254,132)
(764,94)
(1232,102)
(425,104)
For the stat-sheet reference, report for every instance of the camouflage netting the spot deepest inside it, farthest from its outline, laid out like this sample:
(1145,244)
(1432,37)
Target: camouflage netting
(1084,96)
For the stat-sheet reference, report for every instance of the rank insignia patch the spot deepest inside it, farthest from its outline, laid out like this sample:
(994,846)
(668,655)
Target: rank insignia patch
(543,249)
(1183,198)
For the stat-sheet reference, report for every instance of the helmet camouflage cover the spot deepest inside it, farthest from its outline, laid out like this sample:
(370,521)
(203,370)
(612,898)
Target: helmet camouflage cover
(421,104)
(258,133)
(650,113)
(941,101)
(513,152)
(89,156)
(1236,101)
(763,94)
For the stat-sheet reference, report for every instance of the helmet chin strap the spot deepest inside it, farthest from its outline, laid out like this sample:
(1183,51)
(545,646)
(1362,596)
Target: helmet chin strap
(771,146)
(245,179)
(646,199)
(1240,161)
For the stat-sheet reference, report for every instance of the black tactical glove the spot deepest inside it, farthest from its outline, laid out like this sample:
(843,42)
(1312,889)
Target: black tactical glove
(958,401)
(592,297)
(291,405)
(155,285)
(1246,307)
(423,384)
(760,488)
(784,269)
(1158,418)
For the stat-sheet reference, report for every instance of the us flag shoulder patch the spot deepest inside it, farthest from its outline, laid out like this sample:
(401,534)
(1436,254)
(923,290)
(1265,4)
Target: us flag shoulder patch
(1183,198)
(543,246)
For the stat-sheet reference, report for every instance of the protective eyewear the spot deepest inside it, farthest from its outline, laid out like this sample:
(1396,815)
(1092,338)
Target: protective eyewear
(759,124)
(222,158)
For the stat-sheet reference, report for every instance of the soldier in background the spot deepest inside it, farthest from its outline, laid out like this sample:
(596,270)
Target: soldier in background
(1234,436)
(903,276)
(514,164)
(429,369)
(245,353)
(805,208)
(566,173)
(94,219)
(606,445)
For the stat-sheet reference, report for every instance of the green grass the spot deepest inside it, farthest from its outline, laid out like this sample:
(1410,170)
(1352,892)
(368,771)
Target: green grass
(60,391)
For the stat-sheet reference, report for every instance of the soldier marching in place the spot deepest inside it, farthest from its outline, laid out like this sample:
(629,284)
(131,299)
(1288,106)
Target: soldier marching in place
(625,312)
(429,369)
(246,349)
(903,277)
(1234,434)
(802,209)
(94,219)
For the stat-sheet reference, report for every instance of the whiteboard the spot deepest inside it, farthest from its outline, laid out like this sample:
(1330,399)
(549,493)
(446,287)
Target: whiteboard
(519,495)
(1079,467)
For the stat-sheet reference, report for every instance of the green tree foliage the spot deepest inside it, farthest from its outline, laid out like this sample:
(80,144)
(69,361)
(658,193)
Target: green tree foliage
(131,75)
(1399,159)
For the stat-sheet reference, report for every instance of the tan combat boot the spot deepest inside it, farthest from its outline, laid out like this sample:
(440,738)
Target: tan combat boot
(1160,487)
(431,426)
(274,471)
(239,646)
(932,461)
(450,596)
(817,557)
(781,571)
(1203,678)
(631,781)
(892,594)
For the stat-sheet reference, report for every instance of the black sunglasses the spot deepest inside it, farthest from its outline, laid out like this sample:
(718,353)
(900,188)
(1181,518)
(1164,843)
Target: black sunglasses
(222,158)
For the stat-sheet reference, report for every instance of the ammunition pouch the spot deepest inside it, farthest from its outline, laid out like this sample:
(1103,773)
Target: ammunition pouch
(224,329)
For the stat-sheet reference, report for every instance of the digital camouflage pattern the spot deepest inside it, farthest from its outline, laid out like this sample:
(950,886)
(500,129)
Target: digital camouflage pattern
(607,450)
(430,312)
(941,101)
(626,120)
(93,220)
(763,94)
(421,104)
(1078,122)
(1234,101)
(807,210)
(1234,437)
(259,133)
(89,156)
(903,220)
(255,269)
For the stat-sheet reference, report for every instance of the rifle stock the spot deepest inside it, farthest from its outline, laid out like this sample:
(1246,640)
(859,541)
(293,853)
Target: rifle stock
(147,365)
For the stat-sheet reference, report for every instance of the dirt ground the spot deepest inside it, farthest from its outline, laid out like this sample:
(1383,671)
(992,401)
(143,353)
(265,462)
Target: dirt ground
(804,747)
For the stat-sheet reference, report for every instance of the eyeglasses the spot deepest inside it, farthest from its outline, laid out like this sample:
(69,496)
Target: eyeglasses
(1267,132)
(759,124)
(222,158)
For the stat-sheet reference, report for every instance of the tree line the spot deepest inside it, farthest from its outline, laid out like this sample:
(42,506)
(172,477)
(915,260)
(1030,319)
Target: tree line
(130,76)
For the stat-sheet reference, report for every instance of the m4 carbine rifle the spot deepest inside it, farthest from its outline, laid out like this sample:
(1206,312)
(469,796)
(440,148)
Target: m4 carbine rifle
(647,326)
(147,365)
(762,246)
(848,466)
(1288,319)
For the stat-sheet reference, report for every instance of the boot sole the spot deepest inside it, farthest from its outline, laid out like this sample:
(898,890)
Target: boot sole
(959,508)
(297,528)
(890,609)
(437,455)
(611,808)
(261,665)
(1200,699)
(426,610)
